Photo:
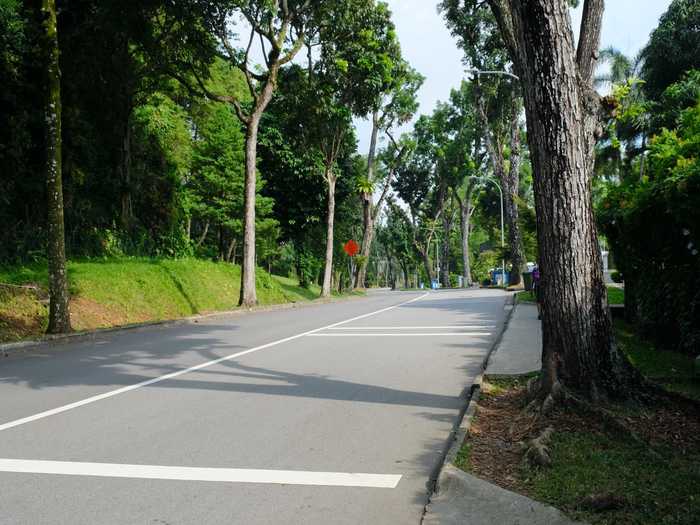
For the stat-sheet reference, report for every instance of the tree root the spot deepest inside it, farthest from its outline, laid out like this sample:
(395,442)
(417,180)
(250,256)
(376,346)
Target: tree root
(611,421)
(537,452)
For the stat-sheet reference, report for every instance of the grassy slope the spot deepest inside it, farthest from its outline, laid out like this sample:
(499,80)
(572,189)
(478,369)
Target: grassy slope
(117,292)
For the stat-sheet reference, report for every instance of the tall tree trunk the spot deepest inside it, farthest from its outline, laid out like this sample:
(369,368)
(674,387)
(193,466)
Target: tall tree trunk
(202,237)
(579,350)
(508,179)
(248,297)
(367,212)
(426,264)
(125,173)
(59,312)
(231,250)
(465,214)
(511,182)
(328,271)
(445,263)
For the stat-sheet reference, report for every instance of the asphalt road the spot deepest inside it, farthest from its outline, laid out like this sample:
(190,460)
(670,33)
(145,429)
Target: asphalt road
(335,413)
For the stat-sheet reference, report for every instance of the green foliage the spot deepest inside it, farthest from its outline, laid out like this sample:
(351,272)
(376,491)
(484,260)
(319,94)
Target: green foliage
(674,47)
(652,226)
(616,277)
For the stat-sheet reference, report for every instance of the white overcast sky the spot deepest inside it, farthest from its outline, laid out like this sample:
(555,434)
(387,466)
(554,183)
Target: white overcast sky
(429,47)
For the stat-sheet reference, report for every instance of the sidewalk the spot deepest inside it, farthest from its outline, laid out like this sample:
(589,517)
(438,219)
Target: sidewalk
(463,499)
(520,351)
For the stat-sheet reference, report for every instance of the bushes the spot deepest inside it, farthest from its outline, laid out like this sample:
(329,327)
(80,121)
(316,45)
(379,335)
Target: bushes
(654,229)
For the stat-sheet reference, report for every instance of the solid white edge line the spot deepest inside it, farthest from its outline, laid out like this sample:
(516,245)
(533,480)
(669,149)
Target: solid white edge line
(123,390)
(407,334)
(227,475)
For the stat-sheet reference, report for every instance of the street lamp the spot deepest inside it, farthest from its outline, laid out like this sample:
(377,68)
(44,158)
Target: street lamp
(503,236)
(503,73)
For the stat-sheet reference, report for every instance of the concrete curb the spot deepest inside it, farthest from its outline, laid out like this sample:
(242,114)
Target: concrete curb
(461,498)
(23,347)
(460,431)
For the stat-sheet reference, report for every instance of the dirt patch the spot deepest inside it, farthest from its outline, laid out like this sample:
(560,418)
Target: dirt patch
(87,314)
(23,313)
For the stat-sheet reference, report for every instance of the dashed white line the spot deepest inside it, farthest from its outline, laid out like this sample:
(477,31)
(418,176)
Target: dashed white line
(226,475)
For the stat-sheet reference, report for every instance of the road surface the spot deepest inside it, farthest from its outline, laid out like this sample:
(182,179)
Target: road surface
(334,413)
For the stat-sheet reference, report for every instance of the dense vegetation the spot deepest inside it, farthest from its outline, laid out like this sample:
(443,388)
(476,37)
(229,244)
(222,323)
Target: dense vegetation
(649,182)
(163,109)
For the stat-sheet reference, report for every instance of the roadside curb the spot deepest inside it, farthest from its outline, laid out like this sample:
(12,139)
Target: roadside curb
(458,494)
(460,431)
(23,347)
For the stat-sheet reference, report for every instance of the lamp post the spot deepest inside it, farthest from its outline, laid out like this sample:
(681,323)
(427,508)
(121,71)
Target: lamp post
(503,236)
(478,72)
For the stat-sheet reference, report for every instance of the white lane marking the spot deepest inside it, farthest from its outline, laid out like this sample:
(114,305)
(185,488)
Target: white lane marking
(228,475)
(407,334)
(123,390)
(452,327)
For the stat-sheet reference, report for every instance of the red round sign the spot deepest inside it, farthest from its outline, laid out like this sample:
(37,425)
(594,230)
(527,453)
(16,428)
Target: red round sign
(351,248)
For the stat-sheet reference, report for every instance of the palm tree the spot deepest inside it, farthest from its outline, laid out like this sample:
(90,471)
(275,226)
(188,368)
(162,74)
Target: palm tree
(622,67)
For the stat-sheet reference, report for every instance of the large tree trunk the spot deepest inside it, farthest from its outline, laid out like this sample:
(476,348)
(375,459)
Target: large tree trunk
(579,351)
(59,312)
(248,296)
(328,271)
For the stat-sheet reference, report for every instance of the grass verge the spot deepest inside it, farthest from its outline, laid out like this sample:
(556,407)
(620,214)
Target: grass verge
(615,296)
(116,292)
(599,474)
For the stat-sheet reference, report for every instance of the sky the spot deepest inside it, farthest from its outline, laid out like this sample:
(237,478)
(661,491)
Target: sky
(428,46)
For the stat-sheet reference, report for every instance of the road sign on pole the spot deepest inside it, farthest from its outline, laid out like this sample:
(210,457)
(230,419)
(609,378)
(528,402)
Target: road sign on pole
(351,248)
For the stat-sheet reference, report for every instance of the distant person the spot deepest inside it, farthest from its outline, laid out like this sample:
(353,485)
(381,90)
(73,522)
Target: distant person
(537,289)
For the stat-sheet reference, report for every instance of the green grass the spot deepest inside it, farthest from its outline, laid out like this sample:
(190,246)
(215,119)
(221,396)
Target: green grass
(114,292)
(675,371)
(462,460)
(527,297)
(498,384)
(615,296)
(657,489)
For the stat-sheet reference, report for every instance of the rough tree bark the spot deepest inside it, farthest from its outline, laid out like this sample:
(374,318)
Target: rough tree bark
(563,114)
(59,312)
